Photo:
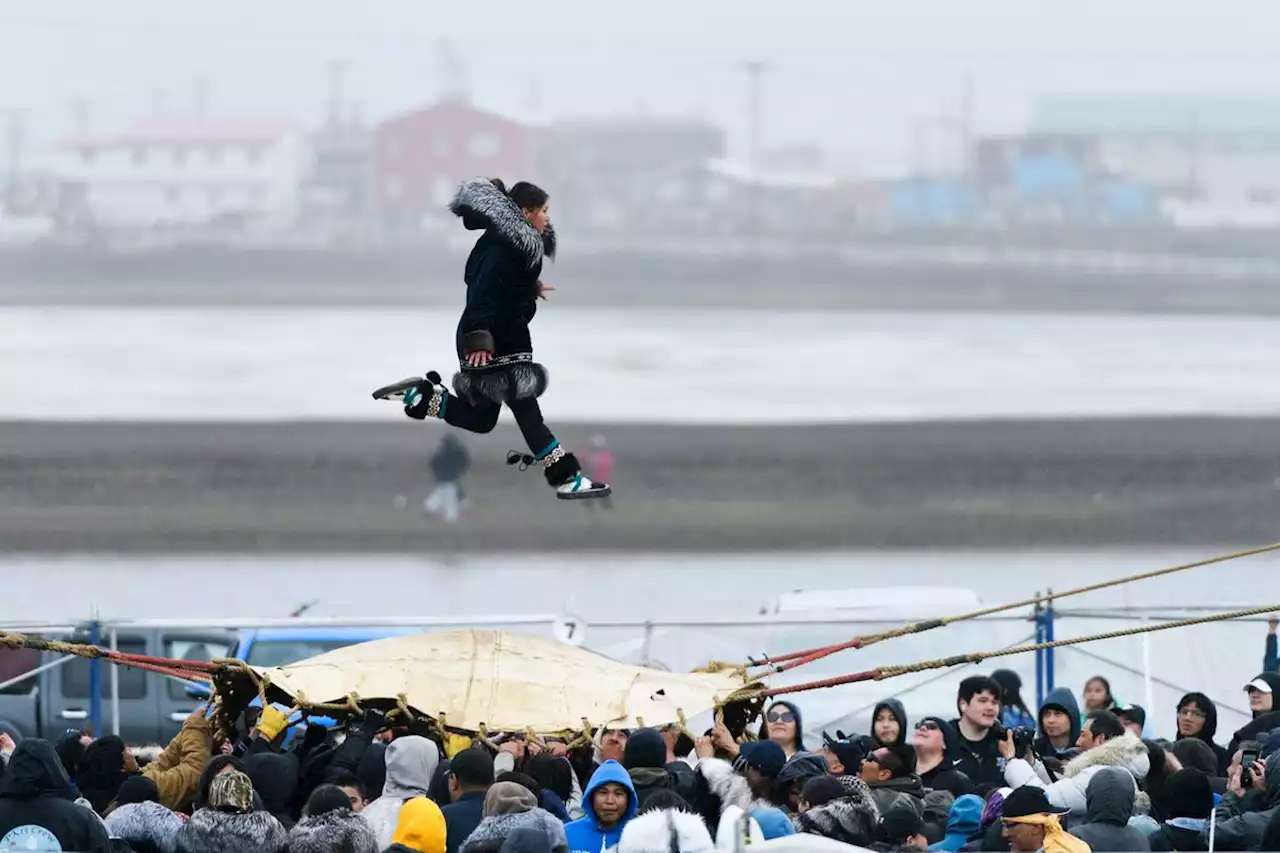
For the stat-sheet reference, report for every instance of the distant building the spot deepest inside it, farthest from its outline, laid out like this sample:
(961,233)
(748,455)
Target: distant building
(1215,150)
(339,186)
(633,173)
(187,171)
(419,158)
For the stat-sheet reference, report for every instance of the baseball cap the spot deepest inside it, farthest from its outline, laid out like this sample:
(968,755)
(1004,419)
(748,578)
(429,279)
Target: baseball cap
(765,756)
(900,823)
(1258,684)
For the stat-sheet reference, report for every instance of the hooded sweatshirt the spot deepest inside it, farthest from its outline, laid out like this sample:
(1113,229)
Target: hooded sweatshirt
(899,714)
(1272,678)
(965,820)
(764,727)
(36,808)
(1210,729)
(587,835)
(420,827)
(411,764)
(1110,798)
(1061,699)
(275,780)
(946,776)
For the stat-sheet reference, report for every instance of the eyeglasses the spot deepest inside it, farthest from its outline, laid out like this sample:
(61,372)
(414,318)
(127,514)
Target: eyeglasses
(1192,712)
(781,717)
(927,726)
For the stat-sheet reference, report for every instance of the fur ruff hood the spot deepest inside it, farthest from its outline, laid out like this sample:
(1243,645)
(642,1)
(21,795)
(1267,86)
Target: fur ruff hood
(493,831)
(145,822)
(665,830)
(212,831)
(1128,752)
(336,830)
(852,818)
(481,205)
(726,786)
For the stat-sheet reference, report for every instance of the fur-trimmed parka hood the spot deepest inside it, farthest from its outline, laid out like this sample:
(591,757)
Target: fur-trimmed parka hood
(481,205)
(664,831)
(146,823)
(213,831)
(1128,752)
(719,787)
(340,829)
(852,818)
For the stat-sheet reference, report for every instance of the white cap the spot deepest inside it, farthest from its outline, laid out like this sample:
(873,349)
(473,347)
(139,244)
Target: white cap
(1258,684)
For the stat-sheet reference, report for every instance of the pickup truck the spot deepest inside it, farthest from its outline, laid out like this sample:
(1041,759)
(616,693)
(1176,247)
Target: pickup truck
(152,706)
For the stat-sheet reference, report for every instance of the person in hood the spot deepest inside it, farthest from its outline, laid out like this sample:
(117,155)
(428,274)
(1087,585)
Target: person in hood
(645,759)
(663,830)
(784,725)
(851,819)
(509,806)
(1262,691)
(1059,727)
(1238,828)
(1105,743)
(1111,796)
(889,775)
(36,808)
(229,823)
(106,763)
(610,801)
(889,723)
(328,824)
(935,746)
(140,820)
(419,827)
(789,786)
(1014,713)
(411,765)
(963,823)
(978,701)
(1188,802)
(1198,718)
(275,780)
(494,347)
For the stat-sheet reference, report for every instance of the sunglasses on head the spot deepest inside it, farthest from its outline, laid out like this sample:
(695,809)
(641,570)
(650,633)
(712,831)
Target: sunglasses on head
(781,717)
(927,726)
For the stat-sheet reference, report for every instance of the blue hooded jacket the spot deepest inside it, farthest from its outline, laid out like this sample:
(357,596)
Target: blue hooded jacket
(964,821)
(586,835)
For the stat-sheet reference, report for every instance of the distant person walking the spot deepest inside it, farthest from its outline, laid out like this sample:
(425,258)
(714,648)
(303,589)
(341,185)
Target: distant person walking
(597,462)
(450,462)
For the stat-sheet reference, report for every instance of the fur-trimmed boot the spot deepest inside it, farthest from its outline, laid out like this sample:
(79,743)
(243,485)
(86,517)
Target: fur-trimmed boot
(563,473)
(423,397)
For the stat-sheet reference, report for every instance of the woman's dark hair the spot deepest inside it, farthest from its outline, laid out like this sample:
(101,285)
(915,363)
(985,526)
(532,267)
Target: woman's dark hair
(554,774)
(527,196)
(137,789)
(523,780)
(663,799)
(326,798)
(101,771)
(212,768)
(1011,690)
(1154,783)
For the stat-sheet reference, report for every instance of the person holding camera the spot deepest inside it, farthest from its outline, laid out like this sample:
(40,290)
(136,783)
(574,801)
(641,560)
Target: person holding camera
(1104,742)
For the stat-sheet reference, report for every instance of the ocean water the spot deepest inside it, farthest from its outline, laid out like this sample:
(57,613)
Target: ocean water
(692,366)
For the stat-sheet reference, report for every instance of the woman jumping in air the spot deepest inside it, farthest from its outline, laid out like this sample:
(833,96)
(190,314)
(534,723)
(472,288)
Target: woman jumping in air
(495,351)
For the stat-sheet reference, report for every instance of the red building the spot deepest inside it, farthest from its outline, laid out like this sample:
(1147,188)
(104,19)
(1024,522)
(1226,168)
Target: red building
(419,158)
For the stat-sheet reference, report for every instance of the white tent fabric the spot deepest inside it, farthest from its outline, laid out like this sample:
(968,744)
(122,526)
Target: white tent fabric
(504,681)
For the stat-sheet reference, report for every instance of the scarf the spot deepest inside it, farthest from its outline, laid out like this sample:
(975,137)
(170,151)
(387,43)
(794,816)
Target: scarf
(1056,839)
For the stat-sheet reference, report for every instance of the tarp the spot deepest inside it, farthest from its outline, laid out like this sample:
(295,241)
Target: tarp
(503,680)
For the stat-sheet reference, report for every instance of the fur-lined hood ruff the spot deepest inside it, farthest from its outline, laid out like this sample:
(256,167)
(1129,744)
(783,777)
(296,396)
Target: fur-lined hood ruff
(212,831)
(664,830)
(492,831)
(852,818)
(1128,752)
(145,822)
(336,830)
(724,784)
(480,204)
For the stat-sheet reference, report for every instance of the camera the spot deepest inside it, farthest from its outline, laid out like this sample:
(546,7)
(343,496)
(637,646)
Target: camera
(1022,737)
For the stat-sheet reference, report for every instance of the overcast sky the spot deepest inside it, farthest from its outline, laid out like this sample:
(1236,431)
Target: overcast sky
(851,75)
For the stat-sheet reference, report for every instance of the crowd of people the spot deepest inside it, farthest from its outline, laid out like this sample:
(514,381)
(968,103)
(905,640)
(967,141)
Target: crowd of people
(1069,777)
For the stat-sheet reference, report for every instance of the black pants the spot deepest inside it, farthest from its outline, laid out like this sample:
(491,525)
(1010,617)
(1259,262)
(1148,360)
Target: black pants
(460,413)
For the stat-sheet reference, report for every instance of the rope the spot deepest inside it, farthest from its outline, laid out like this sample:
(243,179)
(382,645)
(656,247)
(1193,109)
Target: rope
(183,669)
(782,663)
(881,673)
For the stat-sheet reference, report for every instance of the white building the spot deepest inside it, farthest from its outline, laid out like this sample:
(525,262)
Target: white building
(188,171)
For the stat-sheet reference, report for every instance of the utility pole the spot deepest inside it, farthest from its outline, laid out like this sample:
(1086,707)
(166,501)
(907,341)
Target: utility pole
(967,124)
(200,96)
(756,70)
(337,79)
(453,74)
